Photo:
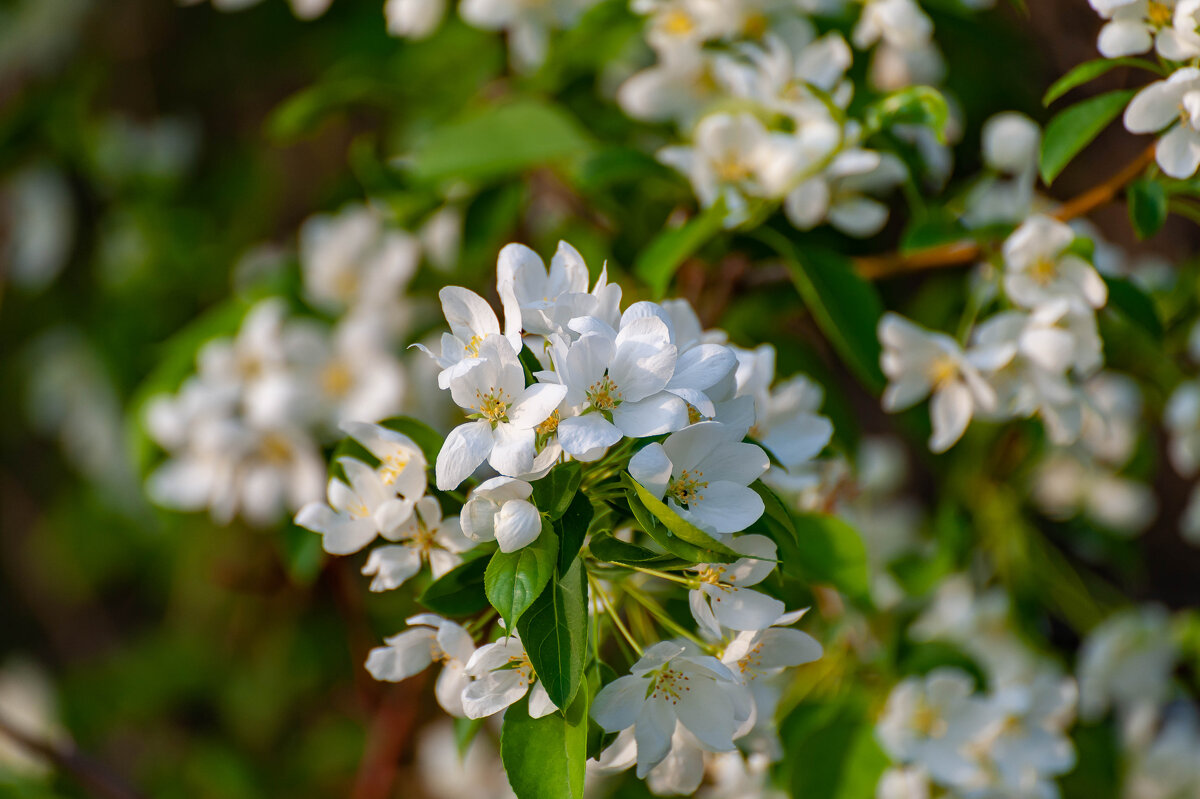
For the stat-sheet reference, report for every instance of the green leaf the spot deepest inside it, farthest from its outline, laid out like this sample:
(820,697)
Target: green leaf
(916,105)
(1075,128)
(677,525)
(513,580)
(1147,201)
(571,529)
(828,550)
(500,142)
(424,436)
(544,758)
(554,492)
(554,632)
(832,751)
(1089,71)
(1130,301)
(663,256)
(605,547)
(458,592)
(846,307)
(776,510)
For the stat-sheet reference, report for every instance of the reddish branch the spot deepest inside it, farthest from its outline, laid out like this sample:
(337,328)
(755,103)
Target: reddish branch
(964,252)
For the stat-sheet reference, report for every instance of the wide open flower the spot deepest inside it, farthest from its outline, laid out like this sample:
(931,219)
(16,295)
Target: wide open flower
(616,381)
(501,674)
(357,512)
(402,464)
(492,388)
(920,363)
(1161,105)
(432,639)
(425,538)
(704,471)
(671,683)
(499,510)
(1039,270)
(471,321)
(724,597)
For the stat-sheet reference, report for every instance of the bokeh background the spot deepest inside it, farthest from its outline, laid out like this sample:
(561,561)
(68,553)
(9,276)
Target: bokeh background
(156,164)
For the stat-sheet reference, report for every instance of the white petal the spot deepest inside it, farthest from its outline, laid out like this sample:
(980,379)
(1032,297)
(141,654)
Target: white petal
(517,524)
(409,653)
(655,726)
(537,403)
(655,415)
(587,437)
(1178,152)
(617,704)
(950,411)
(743,608)
(513,450)
(651,467)
(467,446)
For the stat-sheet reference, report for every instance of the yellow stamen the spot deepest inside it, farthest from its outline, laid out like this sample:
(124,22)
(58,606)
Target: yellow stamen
(687,487)
(604,395)
(1158,13)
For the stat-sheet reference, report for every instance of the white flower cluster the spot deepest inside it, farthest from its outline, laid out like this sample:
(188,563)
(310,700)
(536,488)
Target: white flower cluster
(572,377)
(762,97)
(1008,742)
(1029,361)
(1172,29)
(243,433)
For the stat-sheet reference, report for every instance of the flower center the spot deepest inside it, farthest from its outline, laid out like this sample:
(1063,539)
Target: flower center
(604,394)
(755,25)
(751,659)
(1043,270)
(549,426)
(336,379)
(472,346)
(275,449)
(392,467)
(669,685)
(687,487)
(732,168)
(928,722)
(493,406)
(1158,13)
(677,23)
(711,574)
(943,370)
(694,415)
(423,540)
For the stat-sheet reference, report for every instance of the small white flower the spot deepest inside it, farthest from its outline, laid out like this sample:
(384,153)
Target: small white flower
(1173,103)
(1132,25)
(351,259)
(724,597)
(920,363)
(704,472)
(531,294)
(1038,270)
(673,683)
(839,194)
(432,639)
(500,675)
(357,512)
(1126,661)
(499,510)
(402,464)
(471,321)
(426,537)
(492,387)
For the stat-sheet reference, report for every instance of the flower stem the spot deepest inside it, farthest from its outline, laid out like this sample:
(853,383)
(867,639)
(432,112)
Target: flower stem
(613,613)
(660,614)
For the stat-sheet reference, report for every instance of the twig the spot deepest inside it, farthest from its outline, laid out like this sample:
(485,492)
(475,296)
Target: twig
(389,737)
(964,252)
(97,779)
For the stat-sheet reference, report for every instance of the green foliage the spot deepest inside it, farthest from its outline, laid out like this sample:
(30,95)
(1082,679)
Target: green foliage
(1090,70)
(513,580)
(1147,201)
(554,493)
(916,105)
(458,592)
(554,632)
(1127,299)
(705,545)
(663,256)
(545,757)
(499,142)
(1073,129)
(572,529)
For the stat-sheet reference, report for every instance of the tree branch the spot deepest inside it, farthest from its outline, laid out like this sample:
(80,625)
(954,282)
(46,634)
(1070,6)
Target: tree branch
(97,779)
(959,253)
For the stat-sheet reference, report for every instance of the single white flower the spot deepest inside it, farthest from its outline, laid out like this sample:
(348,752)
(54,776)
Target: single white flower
(500,675)
(704,472)
(1132,25)
(499,510)
(402,464)
(724,597)
(1173,103)
(357,512)
(425,537)
(531,295)
(839,195)
(614,382)
(1126,662)
(492,388)
(430,640)
(471,321)
(920,363)
(673,683)
(1038,270)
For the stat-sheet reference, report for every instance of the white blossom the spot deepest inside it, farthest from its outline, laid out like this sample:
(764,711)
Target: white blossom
(430,639)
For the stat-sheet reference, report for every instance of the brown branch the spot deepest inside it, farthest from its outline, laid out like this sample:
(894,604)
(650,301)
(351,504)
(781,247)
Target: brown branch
(97,779)
(964,252)
(389,737)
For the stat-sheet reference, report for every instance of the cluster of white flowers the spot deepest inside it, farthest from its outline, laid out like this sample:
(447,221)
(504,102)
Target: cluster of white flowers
(1172,29)
(1011,740)
(243,434)
(762,98)
(572,377)
(1024,362)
